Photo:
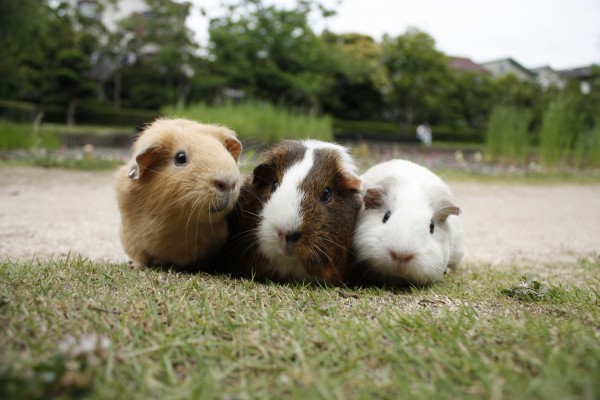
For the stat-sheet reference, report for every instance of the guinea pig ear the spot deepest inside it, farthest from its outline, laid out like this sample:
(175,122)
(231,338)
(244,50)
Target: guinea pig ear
(444,209)
(231,142)
(234,147)
(350,181)
(263,174)
(373,198)
(145,159)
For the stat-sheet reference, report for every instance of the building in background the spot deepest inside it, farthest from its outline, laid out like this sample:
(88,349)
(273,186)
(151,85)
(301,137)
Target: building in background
(547,78)
(582,74)
(507,66)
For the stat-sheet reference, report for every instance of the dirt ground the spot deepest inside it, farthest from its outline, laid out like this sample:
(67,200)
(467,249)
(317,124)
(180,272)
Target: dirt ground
(51,212)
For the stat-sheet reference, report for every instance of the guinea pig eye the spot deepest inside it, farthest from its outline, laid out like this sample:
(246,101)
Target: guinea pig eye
(431,227)
(386,217)
(326,196)
(274,186)
(180,158)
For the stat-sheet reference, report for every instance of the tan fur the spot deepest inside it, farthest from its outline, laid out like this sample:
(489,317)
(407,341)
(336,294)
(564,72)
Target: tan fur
(176,215)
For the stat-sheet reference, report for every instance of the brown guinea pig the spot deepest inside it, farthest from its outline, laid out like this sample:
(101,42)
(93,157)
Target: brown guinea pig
(176,191)
(295,216)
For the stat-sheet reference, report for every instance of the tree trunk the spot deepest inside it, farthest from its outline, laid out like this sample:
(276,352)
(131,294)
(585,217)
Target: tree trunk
(71,108)
(117,91)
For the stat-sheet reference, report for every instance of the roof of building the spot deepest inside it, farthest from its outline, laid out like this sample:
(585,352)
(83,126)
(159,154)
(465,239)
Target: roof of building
(466,64)
(579,72)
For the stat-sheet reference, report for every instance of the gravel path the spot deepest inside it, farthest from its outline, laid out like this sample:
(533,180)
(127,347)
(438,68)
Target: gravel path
(50,212)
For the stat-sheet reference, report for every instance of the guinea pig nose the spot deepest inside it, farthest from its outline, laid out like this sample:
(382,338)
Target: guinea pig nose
(225,184)
(292,237)
(401,257)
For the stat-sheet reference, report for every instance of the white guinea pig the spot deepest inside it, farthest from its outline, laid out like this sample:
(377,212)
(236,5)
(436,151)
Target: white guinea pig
(295,216)
(409,230)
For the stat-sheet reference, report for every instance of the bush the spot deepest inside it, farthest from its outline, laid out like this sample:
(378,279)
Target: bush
(389,131)
(507,134)
(86,113)
(17,111)
(260,121)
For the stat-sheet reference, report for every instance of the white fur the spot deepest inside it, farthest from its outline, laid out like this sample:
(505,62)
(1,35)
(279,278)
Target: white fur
(412,193)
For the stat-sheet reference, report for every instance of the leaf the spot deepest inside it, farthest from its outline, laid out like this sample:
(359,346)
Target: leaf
(529,289)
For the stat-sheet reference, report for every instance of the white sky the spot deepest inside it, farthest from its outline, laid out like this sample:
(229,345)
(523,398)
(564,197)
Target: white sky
(559,33)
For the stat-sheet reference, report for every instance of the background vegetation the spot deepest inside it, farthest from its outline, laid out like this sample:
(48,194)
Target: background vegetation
(64,65)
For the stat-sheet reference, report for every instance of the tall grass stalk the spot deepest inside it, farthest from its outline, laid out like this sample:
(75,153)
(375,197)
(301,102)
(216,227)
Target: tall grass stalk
(507,136)
(558,132)
(593,152)
(259,121)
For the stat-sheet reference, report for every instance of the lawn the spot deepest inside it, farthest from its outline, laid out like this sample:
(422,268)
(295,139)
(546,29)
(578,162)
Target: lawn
(77,327)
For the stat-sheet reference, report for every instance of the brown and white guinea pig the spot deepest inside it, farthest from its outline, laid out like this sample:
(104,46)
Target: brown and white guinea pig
(409,230)
(295,216)
(175,192)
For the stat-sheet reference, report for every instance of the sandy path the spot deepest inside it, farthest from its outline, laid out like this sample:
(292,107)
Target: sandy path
(49,212)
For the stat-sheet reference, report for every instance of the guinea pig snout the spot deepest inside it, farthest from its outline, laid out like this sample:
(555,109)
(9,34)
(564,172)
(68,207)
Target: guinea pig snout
(401,257)
(225,183)
(225,192)
(288,239)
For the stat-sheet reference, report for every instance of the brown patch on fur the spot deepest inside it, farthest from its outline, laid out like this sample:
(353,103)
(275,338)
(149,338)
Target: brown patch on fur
(326,232)
(242,252)
(327,228)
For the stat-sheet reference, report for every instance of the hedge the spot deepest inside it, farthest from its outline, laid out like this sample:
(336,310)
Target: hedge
(89,114)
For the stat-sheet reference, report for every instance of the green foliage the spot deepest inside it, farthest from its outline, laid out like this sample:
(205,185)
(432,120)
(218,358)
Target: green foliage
(258,121)
(528,289)
(507,135)
(417,73)
(470,98)
(20,24)
(271,53)
(163,51)
(359,78)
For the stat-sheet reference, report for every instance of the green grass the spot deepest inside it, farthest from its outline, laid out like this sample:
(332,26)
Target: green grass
(174,335)
(24,136)
(259,121)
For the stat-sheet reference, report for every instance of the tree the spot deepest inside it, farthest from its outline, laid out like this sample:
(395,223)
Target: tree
(271,53)
(417,73)
(469,99)
(65,78)
(158,46)
(359,77)
(20,24)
